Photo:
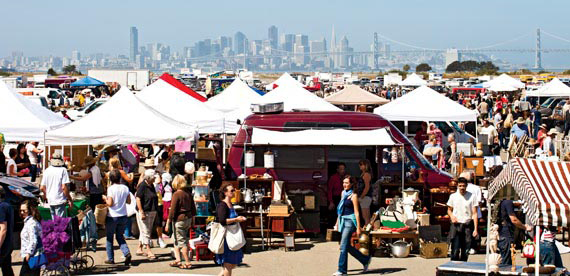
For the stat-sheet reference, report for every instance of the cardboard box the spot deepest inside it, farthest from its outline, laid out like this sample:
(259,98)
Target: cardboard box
(333,235)
(433,250)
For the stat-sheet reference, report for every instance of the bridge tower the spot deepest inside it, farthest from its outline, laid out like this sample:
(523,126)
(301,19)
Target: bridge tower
(538,54)
(375,54)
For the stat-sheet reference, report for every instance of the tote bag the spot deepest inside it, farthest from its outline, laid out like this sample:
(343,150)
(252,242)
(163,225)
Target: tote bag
(235,237)
(217,237)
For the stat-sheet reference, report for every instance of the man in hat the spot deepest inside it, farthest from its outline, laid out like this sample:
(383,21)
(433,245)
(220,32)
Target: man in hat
(548,143)
(92,179)
(520,129)
(55,186)
(6,235)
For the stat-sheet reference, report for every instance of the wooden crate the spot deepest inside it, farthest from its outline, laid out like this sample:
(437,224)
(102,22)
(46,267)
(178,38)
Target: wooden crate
(333,235)
(433,250)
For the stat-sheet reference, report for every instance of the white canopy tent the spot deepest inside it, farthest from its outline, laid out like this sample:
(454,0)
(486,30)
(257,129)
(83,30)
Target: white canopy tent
(555,88)
(413,80)
(296,97)
(354,95)
(104,125)
(504,79)
(284,80)
(235,96)
(23,120)
(502,87)
(182,107)
(332,137)
(425,104)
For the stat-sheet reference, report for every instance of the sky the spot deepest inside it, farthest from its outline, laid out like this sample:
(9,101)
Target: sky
(59,27)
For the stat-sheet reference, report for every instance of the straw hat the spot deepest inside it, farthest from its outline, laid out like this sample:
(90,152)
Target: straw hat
(531,142)
(57,160)
(149,163)
(544,126)
(89,161)
(520,120)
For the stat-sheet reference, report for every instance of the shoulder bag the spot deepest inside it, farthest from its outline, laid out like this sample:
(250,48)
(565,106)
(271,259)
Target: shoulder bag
(235,237)
(217,238)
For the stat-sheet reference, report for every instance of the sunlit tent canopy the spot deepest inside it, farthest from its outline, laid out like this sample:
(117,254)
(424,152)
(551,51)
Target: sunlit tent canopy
(543,186)
(501,87)
(504,79)
(23,120)
(145,125)
(176,83)
(235,96)
(413,80)
(284,80)
(87,82)
(176,104)
(296,97)
(332,137)
(554,88)
(354,95)
(425,104)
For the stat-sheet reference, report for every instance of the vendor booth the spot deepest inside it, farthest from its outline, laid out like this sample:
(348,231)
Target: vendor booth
(87,82)
(296,98)
(555,88)
(23,120)
(504,81)
(413,80)
(284,80)
(543,188)
(354,95)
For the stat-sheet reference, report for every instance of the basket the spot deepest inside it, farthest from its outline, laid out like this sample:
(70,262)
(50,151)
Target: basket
(101,213)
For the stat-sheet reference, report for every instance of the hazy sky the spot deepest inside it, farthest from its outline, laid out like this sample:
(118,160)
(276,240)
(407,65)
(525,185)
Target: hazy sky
(59,27)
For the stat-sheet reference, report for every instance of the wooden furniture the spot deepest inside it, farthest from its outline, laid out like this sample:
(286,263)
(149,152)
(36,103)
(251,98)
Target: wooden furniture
(282,224)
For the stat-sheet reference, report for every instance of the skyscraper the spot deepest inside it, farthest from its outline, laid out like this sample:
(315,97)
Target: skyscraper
(287,41)
(134,49)
(451,55)
(273,36)
(239,43)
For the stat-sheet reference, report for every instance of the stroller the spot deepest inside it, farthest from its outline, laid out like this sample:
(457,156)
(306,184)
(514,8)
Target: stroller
(62,245)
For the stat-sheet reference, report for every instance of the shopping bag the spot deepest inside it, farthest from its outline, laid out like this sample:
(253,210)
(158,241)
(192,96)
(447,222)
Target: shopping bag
(528,249)
(235,237)
(217,238)
(37,261)
(182,146)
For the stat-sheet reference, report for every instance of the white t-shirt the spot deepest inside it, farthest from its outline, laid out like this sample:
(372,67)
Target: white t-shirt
(477,197)
(462,206)
(10,162)
(119,193)
(167,193)
(96,175)
(491,132)
(31,154)
(53,179)
(546,144)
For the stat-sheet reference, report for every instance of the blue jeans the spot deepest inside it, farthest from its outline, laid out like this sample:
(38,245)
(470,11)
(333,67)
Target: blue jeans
(33,172)
(549,254)
(116,227)
(58,210)
(128,227)
(535,128)
(505,250)
(346,248)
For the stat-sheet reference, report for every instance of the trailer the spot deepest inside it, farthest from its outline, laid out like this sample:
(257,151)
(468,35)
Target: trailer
(132,79)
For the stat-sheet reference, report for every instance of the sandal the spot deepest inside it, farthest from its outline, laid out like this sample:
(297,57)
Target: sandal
(185,266)
(140,254)
(174,264)
(151,257)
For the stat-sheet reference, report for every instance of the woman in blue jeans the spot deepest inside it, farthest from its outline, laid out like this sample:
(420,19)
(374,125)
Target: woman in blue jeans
(348,222)
(117,199)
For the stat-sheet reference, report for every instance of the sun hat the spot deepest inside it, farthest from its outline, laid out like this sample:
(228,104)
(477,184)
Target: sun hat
(553,131)
(544,126)
(520,120)
(149,163)
(89,161)
(56,160)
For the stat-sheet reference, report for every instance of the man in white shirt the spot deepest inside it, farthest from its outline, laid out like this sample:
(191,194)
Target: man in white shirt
(489,130)
(549,142)
(462,211)
(477,197)
(55,187)
(33,152)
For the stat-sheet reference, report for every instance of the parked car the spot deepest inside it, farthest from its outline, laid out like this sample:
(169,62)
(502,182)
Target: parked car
(550,104)
(76,114)
(41,100)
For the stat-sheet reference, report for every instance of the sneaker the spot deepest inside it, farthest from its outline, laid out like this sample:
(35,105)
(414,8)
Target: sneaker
(365,268)
(128,259)
(472,251)
(161,243)
(339,274)
(130,238)
(109,262)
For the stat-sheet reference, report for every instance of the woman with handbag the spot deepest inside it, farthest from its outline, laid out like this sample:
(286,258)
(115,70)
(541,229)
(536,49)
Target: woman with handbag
(226,216)
(31,239)
(182,210)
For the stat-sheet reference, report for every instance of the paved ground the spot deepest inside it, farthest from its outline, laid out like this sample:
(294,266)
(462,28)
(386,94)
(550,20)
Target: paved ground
(311,258)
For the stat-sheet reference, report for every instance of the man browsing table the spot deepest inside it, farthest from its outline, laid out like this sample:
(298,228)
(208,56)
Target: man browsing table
(462,211)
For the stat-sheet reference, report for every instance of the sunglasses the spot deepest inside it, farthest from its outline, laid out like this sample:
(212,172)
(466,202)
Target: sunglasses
(232,190)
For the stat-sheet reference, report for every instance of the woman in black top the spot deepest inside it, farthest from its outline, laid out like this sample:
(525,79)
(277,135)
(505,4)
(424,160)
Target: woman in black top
(22,160)
(225,215)
(147,205)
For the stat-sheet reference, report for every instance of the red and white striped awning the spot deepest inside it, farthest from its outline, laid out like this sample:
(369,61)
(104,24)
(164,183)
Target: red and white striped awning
(543,186)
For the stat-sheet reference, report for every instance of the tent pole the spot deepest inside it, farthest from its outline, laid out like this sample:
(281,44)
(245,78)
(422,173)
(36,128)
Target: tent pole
(537,251)
(403,168)
(224,136)
(476,131)
(44,159)
(487,241)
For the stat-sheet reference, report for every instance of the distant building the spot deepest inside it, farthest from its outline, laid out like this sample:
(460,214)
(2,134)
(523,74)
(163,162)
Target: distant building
(273,36)
(287,42)
(75,58)
(451,55)
(240,43)
(134,49)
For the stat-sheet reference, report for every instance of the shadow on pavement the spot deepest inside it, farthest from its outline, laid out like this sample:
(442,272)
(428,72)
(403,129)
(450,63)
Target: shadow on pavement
(380,271)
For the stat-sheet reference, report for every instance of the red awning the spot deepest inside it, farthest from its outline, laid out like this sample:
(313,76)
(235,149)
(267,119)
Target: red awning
(176,83)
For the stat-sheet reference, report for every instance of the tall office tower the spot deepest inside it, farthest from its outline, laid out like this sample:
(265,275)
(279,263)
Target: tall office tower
(302,40)
(333,49)
(287,42)
(451,55)
(273,36)
(134,49)
(240,43)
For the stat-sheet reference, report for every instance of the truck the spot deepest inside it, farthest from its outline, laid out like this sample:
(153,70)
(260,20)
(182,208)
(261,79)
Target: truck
(132,79)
